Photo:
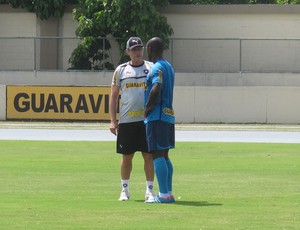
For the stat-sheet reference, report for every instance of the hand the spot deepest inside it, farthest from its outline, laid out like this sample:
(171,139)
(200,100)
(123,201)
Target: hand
(113,127)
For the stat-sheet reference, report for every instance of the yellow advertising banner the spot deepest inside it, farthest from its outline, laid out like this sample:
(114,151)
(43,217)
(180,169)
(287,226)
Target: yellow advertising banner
(58,102)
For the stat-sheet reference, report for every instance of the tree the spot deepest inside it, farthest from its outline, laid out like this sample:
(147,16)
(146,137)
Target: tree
(91,52)
(100,19)
(44,9)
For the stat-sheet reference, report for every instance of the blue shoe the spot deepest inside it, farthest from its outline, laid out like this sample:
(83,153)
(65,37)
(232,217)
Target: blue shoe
(158,199)
(172,198)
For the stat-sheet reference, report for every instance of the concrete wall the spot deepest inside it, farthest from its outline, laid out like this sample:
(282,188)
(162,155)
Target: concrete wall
(227,68)
(2,102)
(234,21)
(69,78)
(237,104)
(239,38)
(67,29)
(220,38)
(198,97)
(197,104)
(16,53)
(94,78)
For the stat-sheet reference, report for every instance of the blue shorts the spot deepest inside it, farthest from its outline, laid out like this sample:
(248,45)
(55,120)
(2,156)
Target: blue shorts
(160,135)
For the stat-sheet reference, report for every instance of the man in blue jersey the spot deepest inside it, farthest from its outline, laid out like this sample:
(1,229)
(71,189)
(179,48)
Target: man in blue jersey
(129,81)
(160,119)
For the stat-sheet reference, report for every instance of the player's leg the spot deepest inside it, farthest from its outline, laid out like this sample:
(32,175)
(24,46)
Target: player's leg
(170,175)
(168,143)
(148,162)
(148,166)
(124,147)
(159,144)
(161,172)
(149,173)
(126,168)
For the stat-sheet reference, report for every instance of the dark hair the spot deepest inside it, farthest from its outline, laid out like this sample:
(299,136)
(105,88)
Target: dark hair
(156,45)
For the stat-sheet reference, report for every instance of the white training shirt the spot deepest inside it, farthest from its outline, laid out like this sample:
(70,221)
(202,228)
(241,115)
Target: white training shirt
(131,80)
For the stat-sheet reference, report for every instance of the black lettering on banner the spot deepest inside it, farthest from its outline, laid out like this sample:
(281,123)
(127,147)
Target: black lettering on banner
(34,105)
(51,104)
(26,104)
(81,104)
(95,107)
(106,108)
(61,103)
(65,102)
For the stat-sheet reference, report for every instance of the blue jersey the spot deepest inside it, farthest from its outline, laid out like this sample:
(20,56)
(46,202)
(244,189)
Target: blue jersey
(161,73)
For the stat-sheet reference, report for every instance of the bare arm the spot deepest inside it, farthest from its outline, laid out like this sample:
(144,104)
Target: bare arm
(152,100)
(113,102)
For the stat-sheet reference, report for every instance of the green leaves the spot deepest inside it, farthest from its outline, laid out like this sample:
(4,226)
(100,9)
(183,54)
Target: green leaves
(48,8)
(119,18)
(90,54)
(139,18)
(43,9)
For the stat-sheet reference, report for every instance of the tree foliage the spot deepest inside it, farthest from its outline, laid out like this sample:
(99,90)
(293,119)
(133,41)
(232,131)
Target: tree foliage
(120,19)
(44,9)
(91,52)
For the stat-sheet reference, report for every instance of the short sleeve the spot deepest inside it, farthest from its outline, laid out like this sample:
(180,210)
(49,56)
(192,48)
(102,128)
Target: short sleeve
(157,74)
(116,78)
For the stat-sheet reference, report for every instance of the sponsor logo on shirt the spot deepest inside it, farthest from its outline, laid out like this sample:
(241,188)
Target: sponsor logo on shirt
(169,111)
(135,85)
(135,113)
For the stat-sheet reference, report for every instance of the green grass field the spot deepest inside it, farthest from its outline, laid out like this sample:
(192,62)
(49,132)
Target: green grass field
(75,185)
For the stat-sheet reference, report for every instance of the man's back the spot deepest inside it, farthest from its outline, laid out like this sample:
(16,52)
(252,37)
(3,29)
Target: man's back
(162,73)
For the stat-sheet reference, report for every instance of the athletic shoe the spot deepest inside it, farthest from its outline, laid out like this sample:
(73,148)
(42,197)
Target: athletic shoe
(124,196)
(149,195)
(172,198)
(158,199)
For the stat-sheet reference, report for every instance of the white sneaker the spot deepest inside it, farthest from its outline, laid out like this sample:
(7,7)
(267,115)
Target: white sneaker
(149,196)
(124,196)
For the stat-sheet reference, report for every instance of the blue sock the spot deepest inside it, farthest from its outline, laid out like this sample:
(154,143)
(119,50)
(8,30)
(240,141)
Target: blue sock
(161,171)
(170,175)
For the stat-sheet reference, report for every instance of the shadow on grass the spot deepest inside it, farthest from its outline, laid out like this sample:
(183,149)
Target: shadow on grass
(196,203)
(190,203)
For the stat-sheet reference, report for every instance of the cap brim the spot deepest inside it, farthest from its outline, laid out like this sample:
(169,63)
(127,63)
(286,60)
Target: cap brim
(137,45)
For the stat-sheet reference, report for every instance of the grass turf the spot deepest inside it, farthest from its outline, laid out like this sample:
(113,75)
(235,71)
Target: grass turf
(75,185)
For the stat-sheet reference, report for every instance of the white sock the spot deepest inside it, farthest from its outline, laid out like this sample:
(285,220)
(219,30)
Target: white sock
(125,185)
(163,195)
(149,186)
